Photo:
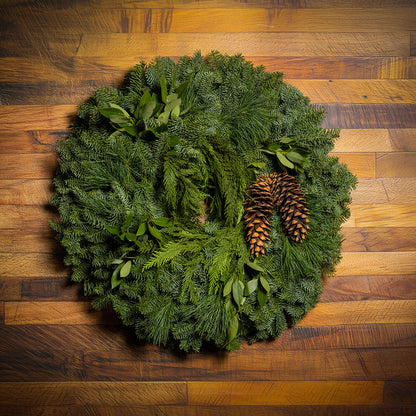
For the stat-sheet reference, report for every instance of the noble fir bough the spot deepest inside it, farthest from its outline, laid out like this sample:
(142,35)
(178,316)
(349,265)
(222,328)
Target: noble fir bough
(207,137)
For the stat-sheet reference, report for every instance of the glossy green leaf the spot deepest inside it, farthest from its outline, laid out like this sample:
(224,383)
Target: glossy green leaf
(287,140)
(146,111)
(132,130)
(261,297)
(172,98)
(251,286)
(113,229)
(264,283)
(259,165)
(274,147)
(117,261)
(238,291)
(125,270)
(114,278)
(285,161)
(175,112)
(227,288)
(255,266)
(155,232)
(233,328)
(164,117)
(131,236)
(142,229)
(295,157)
(111,110)
(146,97)
(162,221)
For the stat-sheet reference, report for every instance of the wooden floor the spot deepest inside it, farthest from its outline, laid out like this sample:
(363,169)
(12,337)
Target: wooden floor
(355,353)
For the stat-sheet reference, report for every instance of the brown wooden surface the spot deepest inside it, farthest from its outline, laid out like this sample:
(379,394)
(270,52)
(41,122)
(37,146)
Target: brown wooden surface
(355,353)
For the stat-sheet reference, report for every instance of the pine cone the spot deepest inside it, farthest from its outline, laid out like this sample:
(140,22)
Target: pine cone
(266,193)
(289,197)
(257,210)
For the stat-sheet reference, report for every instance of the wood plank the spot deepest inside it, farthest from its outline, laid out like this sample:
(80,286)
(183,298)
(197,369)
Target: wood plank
(344,364)
(376,140)
(322,4)
(70,68)
(374,116)
(361,164)
(338,313)
(41,365)
(281,44)
(17,288)
(12,241)
(94,393)
(55,313)
(357,288)
(319,91)
(361,312)
(376,263)
(36,117)
(243,410)
(380,364)
(357,91)
(341,67)
(379,239)
(211,20)
(28,166)
(285,393)
(383,215)
(25,191)
(51,92)
(400,392)
(107,338)
(385,191)
(32,265)
(111,72)
(400,164)
(33,219)
(35,141)
(403,139)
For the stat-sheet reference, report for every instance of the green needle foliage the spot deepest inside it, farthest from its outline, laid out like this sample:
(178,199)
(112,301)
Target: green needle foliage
(183,140)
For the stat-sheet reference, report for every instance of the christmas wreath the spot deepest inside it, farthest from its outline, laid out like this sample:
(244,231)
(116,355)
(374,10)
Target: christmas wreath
(200,203)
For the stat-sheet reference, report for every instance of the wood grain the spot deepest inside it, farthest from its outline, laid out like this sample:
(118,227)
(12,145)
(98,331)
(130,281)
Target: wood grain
(203,20)
(283,44)
(357,91)
(375,116)
(80,313)
(279,393)
(361,312)
(385,191)
(379,238)
(371,263)
(376,140)
(95,393)
(382,215)
(107,338)
(400,164)
(373,287)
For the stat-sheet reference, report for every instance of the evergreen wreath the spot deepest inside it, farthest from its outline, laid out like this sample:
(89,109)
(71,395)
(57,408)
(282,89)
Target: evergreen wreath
(161,183)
